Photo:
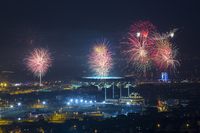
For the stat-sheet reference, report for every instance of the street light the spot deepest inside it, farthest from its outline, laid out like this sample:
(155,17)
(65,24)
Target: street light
(19,104)
(43,102)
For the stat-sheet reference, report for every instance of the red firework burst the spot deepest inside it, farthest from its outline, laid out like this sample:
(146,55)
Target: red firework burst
(143,31)
(164,55)
(141,40)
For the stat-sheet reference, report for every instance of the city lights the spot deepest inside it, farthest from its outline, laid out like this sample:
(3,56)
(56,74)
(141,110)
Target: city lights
(80,102)
(19,104)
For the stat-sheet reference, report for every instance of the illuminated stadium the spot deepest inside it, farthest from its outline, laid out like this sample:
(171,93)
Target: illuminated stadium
(110,82)
(103,78)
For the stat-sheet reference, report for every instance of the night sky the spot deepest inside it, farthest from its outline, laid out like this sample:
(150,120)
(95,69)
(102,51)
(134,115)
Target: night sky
(68,30)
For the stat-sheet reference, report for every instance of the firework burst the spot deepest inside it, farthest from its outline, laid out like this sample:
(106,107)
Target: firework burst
(100,59)
(38,62)
(164,55)
(139,56)
(147,48)
(140,40)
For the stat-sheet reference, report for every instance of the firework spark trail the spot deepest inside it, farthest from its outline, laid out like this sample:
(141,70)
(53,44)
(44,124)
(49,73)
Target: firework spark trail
(100,59)
(164,55)
(39,61)
(164,36)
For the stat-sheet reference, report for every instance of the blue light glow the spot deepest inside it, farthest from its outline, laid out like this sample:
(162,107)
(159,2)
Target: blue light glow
(99,77)
(19,104)
(164,76)
(76,101)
